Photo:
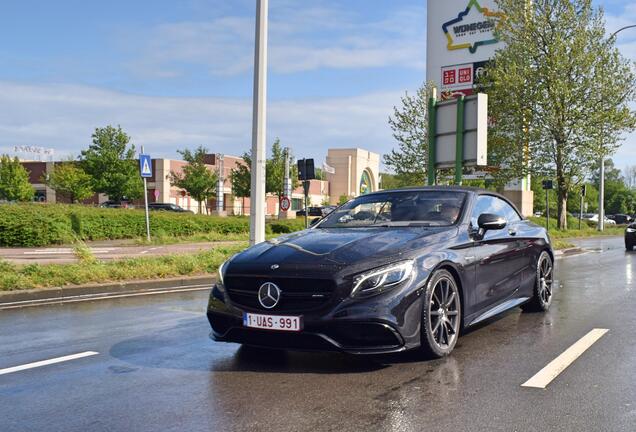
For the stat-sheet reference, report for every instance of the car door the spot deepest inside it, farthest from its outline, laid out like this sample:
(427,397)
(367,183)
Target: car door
(499,255)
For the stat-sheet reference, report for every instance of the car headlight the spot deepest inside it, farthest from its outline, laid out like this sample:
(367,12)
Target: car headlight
(220,273)
(630,230)
(382,278)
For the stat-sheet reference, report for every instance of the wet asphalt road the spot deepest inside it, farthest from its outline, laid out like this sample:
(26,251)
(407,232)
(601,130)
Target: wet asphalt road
(157,370)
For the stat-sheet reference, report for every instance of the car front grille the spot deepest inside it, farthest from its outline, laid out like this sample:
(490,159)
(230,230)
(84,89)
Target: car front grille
(297,294)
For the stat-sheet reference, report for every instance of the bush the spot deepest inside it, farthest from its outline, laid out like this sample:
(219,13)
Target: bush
(44,224)
(285,226)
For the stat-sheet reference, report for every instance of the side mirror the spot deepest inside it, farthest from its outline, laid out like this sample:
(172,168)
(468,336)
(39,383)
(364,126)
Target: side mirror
(489,221)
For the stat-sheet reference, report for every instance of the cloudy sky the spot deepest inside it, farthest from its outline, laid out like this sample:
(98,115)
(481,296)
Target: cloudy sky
(178,74)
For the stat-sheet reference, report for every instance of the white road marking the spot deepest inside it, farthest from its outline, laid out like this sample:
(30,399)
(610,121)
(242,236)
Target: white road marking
(559,364)
(92,297)
(66,251)
(47,362)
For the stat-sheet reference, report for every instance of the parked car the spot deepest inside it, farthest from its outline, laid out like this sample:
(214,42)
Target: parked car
(620,219)
(168,207)
(328,209)
(312,211)
(630,236)
(117,204)
(386,272)
(593,217)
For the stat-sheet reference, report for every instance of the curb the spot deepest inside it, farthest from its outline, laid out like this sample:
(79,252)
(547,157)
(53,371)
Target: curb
(569,251)
(8,298)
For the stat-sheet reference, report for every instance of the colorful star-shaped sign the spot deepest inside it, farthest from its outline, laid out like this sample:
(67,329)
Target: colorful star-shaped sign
(472,47)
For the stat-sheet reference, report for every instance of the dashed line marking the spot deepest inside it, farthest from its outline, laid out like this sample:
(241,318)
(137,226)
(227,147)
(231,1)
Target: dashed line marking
(552,370)
(47,362)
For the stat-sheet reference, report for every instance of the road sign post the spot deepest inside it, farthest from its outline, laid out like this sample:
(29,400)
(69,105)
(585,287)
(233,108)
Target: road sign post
(547,185)
(145,168)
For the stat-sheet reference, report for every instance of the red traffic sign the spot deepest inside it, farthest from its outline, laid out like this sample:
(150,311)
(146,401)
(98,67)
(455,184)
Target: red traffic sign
(285,203)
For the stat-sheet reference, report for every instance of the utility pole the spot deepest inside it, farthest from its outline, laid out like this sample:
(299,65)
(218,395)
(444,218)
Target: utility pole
(601,190)
(220,185)
(259,117)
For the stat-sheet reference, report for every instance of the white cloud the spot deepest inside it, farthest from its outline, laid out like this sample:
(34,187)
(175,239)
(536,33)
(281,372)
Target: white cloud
(300,39)
(64,117)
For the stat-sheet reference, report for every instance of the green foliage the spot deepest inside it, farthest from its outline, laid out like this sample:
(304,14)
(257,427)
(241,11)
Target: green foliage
(558,93)
(70,180)
(284,226)
(40,225)
(195,177)
(343,199)
(409,124)
(14,180)
(274,173)
(111,162)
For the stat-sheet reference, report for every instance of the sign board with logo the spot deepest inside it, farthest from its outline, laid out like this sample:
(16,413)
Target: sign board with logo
(461,38)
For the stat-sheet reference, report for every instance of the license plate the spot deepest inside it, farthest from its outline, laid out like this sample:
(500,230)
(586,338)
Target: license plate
(272,322)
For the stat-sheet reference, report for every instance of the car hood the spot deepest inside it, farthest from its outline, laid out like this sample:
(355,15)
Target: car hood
(332,249)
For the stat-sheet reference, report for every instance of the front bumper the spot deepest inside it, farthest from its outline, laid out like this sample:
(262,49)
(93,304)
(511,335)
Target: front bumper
(386,323)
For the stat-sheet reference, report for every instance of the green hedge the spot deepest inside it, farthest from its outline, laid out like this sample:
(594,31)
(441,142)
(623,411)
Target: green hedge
(45,224)
(284,226)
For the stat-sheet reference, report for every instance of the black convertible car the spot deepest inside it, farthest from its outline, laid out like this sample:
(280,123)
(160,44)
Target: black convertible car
(386,272)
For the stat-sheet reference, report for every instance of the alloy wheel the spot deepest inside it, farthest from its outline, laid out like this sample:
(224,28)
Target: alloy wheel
(545,279)
(444,312)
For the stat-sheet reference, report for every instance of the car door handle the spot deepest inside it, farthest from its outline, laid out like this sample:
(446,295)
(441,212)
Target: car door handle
(512,232)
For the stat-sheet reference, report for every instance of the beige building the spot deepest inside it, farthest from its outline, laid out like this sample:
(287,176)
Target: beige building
(357,172)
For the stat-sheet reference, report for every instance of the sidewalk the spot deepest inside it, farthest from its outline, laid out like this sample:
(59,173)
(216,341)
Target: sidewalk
(103,250)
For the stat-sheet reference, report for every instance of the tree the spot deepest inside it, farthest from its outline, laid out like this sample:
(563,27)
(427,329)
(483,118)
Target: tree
(558,92)
(69,179)
(195,177)
(14,180)
(274,173)
(630,176)
(111,163)
(409,124)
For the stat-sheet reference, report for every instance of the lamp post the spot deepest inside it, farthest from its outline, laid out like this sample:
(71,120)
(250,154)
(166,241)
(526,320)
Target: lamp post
(257,184)
(601,189)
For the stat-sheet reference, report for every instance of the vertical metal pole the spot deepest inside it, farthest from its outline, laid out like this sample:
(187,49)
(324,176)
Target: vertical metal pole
(432,121)
(146,204)
(601,195)
(259,115)
(459,141)
(220,185)
(581,210)
(547,211)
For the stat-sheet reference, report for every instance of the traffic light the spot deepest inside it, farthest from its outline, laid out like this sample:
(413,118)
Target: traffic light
(306,169)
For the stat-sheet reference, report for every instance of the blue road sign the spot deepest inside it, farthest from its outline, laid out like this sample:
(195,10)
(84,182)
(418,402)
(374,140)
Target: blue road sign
(145,165)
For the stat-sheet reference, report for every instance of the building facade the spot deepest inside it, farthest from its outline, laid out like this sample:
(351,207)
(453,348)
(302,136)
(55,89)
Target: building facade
(356,172)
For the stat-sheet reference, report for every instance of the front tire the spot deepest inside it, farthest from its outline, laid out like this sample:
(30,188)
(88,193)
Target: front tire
(542,292)
(629,246)
(441,315)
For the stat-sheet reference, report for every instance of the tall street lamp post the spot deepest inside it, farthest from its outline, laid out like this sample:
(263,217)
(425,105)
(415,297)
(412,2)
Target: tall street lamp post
(601,192)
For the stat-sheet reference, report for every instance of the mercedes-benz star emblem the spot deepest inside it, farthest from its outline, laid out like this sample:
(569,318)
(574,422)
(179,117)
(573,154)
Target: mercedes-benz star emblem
(269,295)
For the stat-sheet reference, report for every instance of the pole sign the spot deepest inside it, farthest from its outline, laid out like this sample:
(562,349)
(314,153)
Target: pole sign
(461,38)
(285,204)
(145,165)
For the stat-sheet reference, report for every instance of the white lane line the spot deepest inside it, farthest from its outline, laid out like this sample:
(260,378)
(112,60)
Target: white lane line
(559,364)
(47,362)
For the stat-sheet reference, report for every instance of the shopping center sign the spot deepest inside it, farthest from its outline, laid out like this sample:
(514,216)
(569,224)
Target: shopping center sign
(461,38)
(473,27)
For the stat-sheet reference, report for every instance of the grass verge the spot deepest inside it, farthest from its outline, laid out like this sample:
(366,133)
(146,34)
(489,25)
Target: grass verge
(16,277)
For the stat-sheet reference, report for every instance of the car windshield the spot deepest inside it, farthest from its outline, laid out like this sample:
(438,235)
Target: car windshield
(398,208)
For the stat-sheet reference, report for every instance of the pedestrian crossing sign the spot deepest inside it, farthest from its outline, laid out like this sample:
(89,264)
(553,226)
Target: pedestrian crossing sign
(145,164)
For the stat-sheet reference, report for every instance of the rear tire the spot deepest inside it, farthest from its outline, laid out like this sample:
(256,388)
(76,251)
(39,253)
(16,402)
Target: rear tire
(441,315)
(542,291)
